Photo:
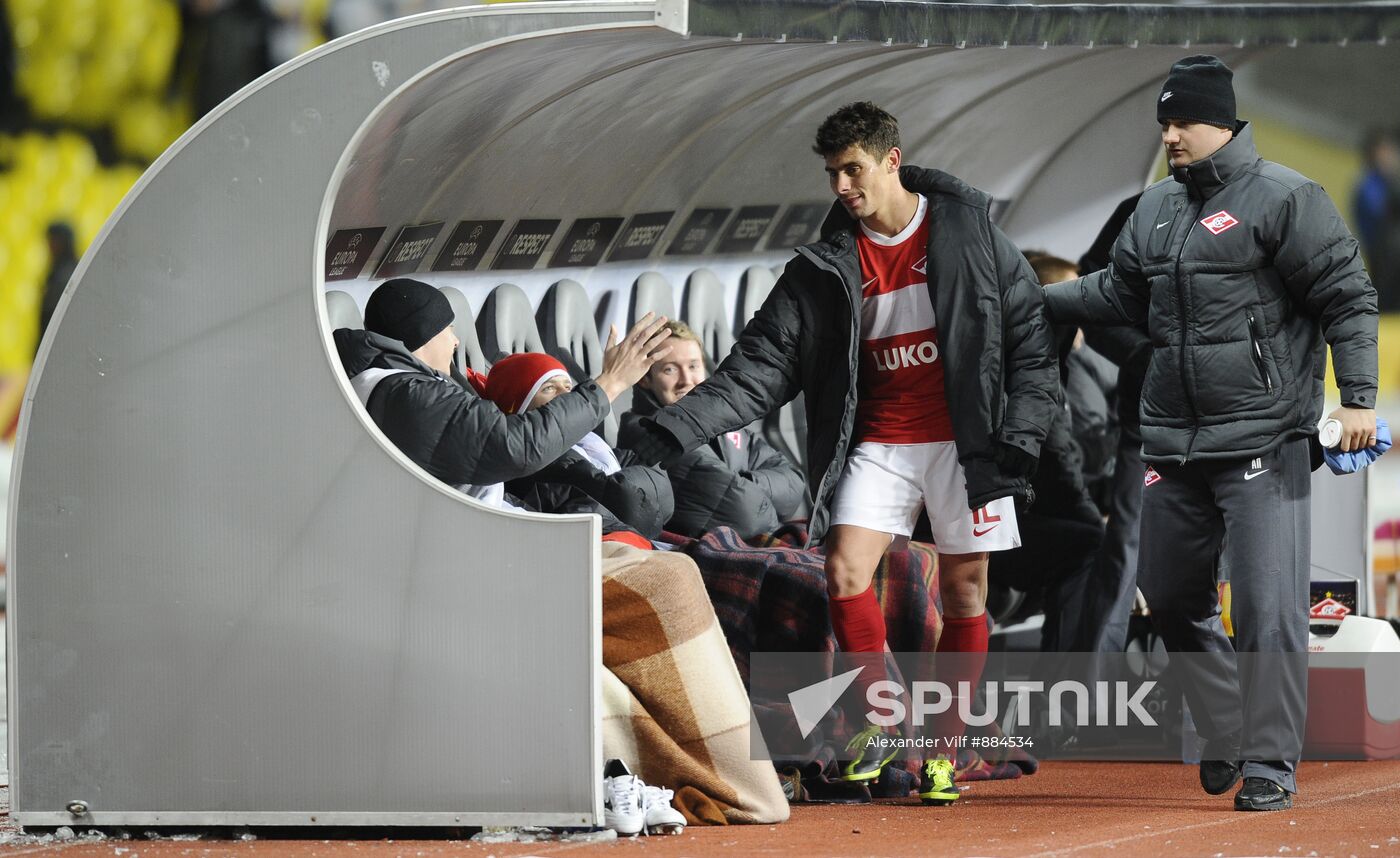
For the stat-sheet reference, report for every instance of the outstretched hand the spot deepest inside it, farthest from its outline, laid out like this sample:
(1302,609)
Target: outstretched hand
(627,360)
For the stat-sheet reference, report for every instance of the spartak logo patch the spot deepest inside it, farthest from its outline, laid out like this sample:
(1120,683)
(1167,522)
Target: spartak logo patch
(1218,222)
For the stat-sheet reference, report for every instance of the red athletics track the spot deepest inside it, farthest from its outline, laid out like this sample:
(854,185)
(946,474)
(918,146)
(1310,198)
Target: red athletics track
(1150,809)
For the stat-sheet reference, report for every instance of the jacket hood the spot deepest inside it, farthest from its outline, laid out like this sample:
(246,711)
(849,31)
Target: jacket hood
(920,180)
(361,350)
(1204,177)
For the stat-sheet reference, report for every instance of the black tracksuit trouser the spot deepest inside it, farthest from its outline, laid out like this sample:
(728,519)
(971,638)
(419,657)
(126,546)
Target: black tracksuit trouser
(1254,516)
(1116,566)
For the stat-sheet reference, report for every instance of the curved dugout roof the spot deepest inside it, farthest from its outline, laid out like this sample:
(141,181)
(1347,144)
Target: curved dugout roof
(654,123)
(1057,121)
(219,565)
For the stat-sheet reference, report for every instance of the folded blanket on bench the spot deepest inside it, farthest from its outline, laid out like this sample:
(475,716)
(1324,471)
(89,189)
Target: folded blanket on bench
(675,709)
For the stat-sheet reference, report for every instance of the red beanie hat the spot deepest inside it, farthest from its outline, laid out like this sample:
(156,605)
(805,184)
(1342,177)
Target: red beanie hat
(515,379)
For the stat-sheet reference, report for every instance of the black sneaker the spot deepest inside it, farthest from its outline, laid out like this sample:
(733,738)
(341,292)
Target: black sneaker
(1262,794)
(870,749)
(1220,766)
(936,781)
(1217,776)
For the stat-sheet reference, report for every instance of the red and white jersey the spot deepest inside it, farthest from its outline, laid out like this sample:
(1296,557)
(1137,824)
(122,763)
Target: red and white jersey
(901,375)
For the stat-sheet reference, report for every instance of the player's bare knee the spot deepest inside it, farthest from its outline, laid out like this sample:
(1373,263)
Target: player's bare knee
(963,598)
(846,577)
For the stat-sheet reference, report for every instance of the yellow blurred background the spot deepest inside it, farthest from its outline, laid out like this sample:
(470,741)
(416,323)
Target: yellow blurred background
(82,66)
(106,94)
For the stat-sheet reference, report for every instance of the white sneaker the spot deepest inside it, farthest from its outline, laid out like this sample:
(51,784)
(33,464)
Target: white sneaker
(622,800)
(661,817)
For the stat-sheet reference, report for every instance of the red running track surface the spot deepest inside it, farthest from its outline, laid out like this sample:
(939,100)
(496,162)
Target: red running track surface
(1067,809)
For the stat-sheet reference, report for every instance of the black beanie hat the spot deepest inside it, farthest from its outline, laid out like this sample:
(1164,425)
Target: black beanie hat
(1199,89)
(408,311)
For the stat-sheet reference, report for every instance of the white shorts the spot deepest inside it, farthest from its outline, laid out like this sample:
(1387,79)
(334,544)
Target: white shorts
(884,485)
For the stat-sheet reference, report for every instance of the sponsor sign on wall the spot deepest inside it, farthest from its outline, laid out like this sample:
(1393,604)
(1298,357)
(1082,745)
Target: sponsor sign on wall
(525,244)
(798,226)
(467,245)
(349,250)
(698,233)
(408,249)
(586,242)
(747,229)
(641,236)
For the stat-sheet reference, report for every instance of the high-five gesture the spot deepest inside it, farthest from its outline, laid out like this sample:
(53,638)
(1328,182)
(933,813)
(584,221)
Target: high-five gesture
(625,362)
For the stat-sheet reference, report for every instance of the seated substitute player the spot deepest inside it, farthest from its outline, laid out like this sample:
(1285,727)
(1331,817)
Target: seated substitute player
(637,495)
(915,329)
(736,480)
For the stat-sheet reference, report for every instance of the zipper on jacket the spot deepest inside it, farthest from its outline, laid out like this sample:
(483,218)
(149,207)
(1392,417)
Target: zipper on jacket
(1259,355)
(854,355)
(1181,314)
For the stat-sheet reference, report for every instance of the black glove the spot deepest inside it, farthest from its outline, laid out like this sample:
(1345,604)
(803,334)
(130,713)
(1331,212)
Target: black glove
(654,445)
(1016,461)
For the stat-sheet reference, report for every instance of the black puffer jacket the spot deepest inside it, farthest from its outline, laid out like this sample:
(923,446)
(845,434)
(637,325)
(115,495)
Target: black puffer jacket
(1240,267)
(737,480)
(1128,346)
(1000,376)
(450,431)
(639,495)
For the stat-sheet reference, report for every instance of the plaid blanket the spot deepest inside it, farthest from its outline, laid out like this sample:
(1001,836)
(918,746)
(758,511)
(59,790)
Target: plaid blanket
(674,706)
(770,596)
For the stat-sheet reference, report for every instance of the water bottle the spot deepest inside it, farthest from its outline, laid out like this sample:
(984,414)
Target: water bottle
(1329,433)
(1191,743)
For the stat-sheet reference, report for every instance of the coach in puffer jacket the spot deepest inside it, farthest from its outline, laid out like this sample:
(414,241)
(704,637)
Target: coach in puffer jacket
(1003,389)
(737,480)
(1241,267)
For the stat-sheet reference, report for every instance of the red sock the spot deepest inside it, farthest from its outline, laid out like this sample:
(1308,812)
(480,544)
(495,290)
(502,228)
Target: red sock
(859,625)
(960,635)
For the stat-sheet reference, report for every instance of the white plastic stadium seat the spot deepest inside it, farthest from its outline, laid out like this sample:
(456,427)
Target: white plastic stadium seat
(651,293)
(464,324)
(703,310)
(506,324)
(342,311)
(754,286)
(565,323)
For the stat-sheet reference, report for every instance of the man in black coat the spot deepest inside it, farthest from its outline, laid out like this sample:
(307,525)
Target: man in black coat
(1241,269)
(736,480)
(402,369)
(914,329)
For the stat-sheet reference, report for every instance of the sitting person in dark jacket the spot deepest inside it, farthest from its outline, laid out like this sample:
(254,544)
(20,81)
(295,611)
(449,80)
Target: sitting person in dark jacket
(738,479)
(402,369)
(637,494)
